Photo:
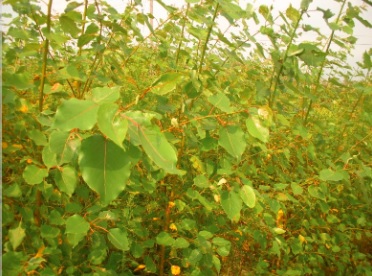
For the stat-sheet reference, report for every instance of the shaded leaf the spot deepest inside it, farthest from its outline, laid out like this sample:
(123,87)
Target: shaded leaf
(231,204)
(164,239)
(119,239)
(66,179)
(104,166)
(232,140)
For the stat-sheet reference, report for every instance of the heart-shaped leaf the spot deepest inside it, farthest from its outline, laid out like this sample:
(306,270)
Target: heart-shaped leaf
(231,204)
(105,167)
(111,125)
(232,140)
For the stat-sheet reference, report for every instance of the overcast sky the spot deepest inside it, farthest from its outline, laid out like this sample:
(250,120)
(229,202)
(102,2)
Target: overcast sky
(363,34)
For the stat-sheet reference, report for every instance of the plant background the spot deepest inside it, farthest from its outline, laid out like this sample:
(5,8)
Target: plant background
(175,152)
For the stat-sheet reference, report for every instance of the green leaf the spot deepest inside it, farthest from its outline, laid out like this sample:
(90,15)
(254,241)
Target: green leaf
(223,246)
(305,4)
(181,243)
(278,230)
(104,167)
(76,224)
(63,145)
(329,175)
(231,204)
(292,13)
(232,140)
(311,55)
(16,236)
(104,95)
(118,238)
(38,137)
(217,264)
(75,113)
(164,238)
(34,175)
(221,101)
(314,191)
(166,83)
(158,148)
(297,189)
(47,231)
(256,130)
(248,196)
(69,25)
(112,125)
(201,181)
(49,157)
(66,179)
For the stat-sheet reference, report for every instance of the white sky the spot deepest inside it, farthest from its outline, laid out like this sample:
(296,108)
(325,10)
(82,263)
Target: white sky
(363,34)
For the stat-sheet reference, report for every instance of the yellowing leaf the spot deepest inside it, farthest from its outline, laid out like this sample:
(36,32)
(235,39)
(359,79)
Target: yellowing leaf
(140,267)
(173,227)
(24,108)
(176,270)
(4,145)
(302,239)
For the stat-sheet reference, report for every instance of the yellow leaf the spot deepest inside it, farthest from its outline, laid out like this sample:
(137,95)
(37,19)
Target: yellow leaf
(17,146)
(140,267)
(55,86)
(302,239)
(39,253)
(24,108)
(176,270)
(173,227)
(171,204)
(4,145)
(280,219)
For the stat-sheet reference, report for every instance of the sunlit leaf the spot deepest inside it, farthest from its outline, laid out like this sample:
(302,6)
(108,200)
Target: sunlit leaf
(166,83)
(256,130)
(159,149)
(330,175)
(75,113)
(221,101)
(248,196)
(104,95)
(34,174)
(16,236)
(111,124)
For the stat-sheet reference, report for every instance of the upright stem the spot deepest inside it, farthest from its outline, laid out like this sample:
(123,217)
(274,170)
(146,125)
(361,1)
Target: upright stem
(45,58)
(207,38)
(277,77)
(324,61)
(182,33)
(80,94)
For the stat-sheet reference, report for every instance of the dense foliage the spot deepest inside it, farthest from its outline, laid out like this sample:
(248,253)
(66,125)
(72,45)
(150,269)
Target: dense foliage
(191,151)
